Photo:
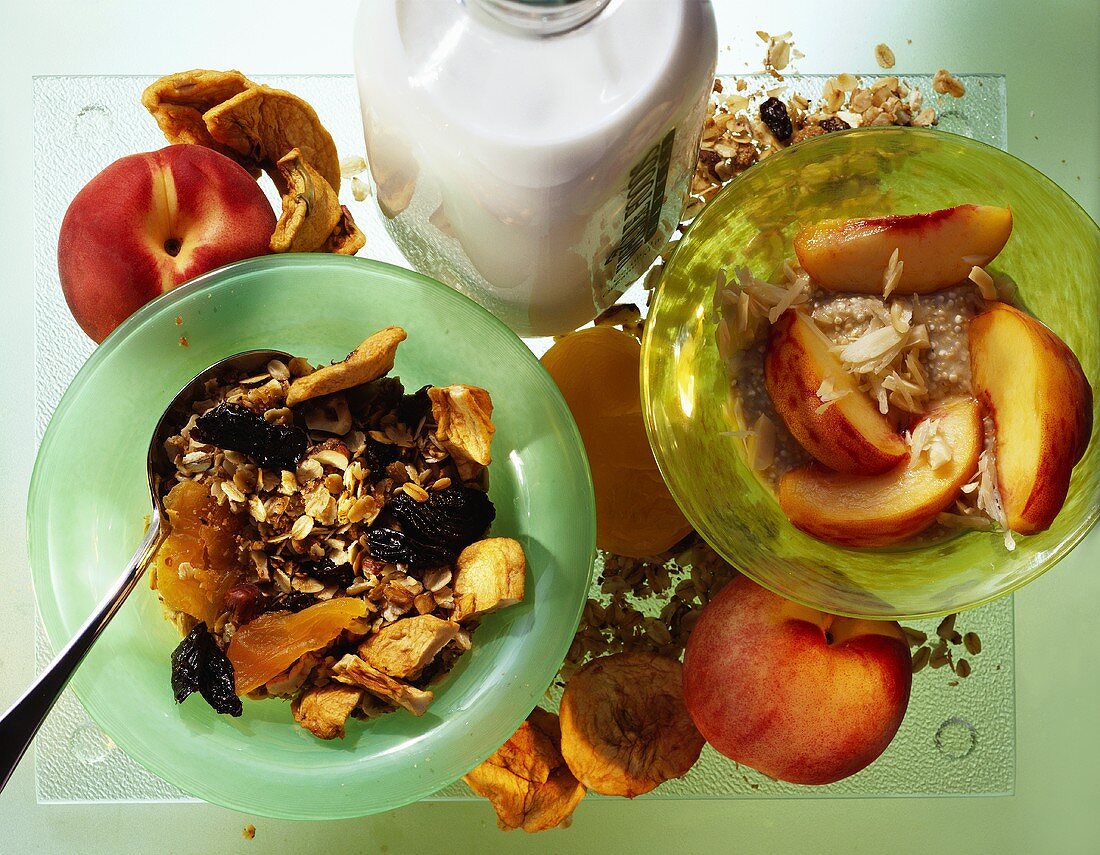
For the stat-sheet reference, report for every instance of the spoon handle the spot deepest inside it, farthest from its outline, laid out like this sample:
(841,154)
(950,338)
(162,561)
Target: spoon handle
(21,722)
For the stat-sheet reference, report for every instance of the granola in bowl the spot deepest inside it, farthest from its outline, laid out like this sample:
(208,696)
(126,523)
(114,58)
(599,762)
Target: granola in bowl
(328,538)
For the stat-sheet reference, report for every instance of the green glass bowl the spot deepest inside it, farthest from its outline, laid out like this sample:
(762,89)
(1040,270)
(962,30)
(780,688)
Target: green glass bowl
(1053,255)
(89,500)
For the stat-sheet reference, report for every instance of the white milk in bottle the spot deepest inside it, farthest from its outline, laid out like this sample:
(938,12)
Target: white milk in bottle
(534,155)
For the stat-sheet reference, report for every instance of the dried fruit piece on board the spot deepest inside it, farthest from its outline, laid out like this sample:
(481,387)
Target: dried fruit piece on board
(323,710)
(198,665)
(178,102)
(625,728)
(464,426)
(263,124)
(369,361)
(311,209)
(489,574)
(526,779)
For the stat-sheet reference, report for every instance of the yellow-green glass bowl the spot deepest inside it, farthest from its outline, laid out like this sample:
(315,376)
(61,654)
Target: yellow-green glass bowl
(1054,257)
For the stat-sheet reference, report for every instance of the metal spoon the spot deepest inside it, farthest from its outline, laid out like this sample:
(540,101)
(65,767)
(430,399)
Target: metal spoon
(21,722)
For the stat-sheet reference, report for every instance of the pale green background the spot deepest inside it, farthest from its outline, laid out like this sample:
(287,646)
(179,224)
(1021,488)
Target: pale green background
(1051,54)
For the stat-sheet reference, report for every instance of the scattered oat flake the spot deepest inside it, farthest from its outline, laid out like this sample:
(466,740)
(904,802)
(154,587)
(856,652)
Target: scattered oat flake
(249,832)
(359,189)
(945,83)
(884,56)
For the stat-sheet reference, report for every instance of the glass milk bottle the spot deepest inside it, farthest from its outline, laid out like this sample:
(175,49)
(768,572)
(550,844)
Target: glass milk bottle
(534,155)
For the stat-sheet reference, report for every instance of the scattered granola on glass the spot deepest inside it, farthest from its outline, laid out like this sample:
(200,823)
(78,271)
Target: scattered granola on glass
(327,539)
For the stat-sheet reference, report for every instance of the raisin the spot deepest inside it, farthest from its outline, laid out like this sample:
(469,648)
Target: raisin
(437,530)
(292,601)
(834,123)
(774,113)
(329,572)
(232,427)
(412,408)
(244,603)
(378,455)
(199,665)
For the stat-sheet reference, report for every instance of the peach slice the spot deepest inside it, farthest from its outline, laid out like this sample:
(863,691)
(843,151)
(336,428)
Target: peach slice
(1041,404)
(938,248)
(854,510)
(850,435)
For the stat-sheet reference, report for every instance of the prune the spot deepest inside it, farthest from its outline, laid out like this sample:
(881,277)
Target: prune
(199,665)
(390,545)
(329,572)
(381,395)
(835,123)
(292,601)
(437,530)
(232,427)
(774,113)
(412,408)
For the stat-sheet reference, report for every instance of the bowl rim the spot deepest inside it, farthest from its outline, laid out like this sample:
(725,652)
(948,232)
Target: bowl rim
(48,609)
(649,396)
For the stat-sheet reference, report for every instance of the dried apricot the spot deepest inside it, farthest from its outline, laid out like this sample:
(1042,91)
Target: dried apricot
(197,564)
(268,645)
(624,726)
(597,372)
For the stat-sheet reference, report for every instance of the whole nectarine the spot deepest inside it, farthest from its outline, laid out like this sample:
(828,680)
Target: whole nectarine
(150,221)
(798,694)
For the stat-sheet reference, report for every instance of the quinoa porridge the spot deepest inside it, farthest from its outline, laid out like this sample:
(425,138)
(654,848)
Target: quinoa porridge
(853,394)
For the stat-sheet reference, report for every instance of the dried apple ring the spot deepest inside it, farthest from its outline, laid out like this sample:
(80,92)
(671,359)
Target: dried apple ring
(346,238)
(263,124)
(624,726)
(311,209)
(179,100)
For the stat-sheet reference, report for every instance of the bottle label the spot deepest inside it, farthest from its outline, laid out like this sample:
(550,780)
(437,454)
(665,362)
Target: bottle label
(644,197)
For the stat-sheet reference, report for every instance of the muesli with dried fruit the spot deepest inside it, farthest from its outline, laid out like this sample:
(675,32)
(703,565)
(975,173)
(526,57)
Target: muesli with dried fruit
(328,538)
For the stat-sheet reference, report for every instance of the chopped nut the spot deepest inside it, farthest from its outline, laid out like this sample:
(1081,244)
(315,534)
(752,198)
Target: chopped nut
(330,416)
(464,427)
(807,132)
(369,361)
(945,83)
(489,575)
(406,647)
(354,671)
(323,710)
